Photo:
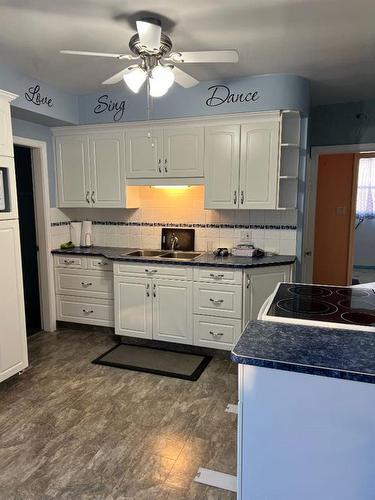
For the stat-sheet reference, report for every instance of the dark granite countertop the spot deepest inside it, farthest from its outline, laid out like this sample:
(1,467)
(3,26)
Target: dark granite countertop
(329,352)
(206,259)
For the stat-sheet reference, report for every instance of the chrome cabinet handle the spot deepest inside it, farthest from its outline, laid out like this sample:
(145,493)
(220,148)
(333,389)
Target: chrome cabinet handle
(92,197)
(247,281)
(216,276)
(242,197)
(159,165)
(165,165)
(148,290)
(102,263)
(235,197)
(86,311)
(154,290)
(151,271)
(87,196)
(68,261)
(216,334)
(86,283)
(217,301)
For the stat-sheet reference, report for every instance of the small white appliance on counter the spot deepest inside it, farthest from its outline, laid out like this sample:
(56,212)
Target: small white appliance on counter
(349,308)
(86,233)
(75,233)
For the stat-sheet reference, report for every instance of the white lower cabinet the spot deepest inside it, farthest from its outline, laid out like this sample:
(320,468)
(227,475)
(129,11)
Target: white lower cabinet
(152,307)
(172,311)
(133,307)
(84,290)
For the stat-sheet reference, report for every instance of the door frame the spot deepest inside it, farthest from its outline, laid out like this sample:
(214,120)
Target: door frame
(39,166)
(307,257)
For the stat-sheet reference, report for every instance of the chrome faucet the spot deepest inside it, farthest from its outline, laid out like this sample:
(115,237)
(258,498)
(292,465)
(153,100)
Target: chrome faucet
(174,241)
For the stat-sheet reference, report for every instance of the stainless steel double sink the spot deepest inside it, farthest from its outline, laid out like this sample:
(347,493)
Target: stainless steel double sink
(163,254)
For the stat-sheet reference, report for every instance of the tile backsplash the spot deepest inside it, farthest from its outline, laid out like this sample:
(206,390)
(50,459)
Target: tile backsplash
(271,230)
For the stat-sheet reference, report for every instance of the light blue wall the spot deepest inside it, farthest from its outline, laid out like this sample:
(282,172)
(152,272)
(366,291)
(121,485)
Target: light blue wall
(348,123)
(38,132)
(273,92)
(64,109)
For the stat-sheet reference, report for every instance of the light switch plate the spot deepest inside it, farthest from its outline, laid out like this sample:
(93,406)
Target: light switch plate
(245,235)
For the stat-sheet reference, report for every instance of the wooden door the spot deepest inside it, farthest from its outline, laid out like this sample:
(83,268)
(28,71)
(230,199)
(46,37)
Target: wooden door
(172,311)
(183,152)
(222,164)
(133,307)
(335,206)
(73,172)
(144,152)
(107,165)
(259,165)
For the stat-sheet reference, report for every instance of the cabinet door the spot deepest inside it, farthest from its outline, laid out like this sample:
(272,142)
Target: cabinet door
(73,175)
(6,138)
(259,285)
(107,168)
(144,151)
(183,152)
(222,163)
(259,165)
(13,352)
(172,311)
(133,307)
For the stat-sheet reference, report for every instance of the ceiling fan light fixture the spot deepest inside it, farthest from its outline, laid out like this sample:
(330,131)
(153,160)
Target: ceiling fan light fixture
(135,79)
(161,79)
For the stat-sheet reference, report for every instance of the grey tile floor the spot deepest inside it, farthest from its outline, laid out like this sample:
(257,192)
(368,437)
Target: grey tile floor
(364,275)
(71,429)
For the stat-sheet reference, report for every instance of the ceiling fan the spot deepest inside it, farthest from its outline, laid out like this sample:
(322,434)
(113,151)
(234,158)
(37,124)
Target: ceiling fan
(156,62)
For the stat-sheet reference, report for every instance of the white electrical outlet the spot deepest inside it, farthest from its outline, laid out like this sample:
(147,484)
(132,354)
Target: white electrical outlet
(245,235)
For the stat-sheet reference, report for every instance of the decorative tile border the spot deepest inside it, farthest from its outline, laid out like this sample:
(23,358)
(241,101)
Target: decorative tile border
(169,224)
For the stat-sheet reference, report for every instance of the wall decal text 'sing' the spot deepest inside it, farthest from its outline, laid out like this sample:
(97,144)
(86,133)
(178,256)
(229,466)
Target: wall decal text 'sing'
(107,105)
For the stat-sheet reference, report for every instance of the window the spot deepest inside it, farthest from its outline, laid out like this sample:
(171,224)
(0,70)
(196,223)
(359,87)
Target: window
(366,189)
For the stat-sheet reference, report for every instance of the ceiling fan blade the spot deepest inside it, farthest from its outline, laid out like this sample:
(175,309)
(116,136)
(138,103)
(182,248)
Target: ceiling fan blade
(184,79)
(97,54)
(206,56)
(149,34)
(119,76)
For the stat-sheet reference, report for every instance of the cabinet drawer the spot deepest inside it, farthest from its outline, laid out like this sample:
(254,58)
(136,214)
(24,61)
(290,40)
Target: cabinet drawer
(99,264)
(218,275)
(219,333)
(218,300)
(72,262)
(152,271)
(93,284)
(79,310)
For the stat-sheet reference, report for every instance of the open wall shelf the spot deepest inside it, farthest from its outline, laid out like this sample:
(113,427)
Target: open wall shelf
(289,159)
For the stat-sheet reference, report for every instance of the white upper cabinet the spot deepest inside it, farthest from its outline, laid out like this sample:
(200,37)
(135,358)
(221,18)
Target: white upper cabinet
(91,170)
(259,164)
(6,137)
(73,172)
(144,153)
(183,149)
(222,165)
(172,152)
(107,161)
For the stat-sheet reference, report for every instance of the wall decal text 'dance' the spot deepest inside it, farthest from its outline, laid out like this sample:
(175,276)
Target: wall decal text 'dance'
(33,95)
(106,105)
(221,94)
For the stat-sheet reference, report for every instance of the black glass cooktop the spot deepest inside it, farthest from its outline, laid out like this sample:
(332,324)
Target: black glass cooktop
(324,303)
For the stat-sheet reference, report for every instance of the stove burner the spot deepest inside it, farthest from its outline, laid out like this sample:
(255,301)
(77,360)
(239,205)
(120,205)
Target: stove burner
(310,291)
(356,303)
(352,292)
(306,305)
(359,318)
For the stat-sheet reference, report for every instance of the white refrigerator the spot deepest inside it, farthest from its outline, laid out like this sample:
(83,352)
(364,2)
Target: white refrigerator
(13,345)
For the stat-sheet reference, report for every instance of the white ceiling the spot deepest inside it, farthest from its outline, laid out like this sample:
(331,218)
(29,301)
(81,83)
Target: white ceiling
(331,42)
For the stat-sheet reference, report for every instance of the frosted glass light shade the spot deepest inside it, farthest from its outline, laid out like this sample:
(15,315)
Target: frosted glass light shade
(162,78)
(135,79)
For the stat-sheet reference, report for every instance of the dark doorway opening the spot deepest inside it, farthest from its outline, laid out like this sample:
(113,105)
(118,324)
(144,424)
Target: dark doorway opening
(29,246)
